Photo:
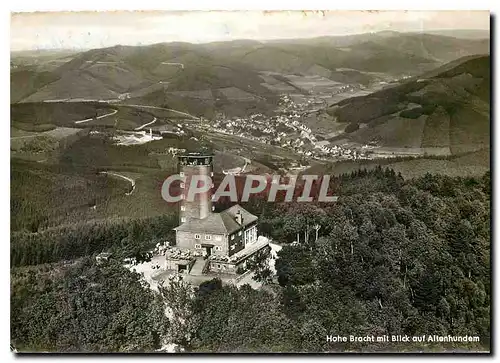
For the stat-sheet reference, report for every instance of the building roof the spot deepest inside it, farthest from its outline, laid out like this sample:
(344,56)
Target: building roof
(199,152)
(247,217)
(219,223)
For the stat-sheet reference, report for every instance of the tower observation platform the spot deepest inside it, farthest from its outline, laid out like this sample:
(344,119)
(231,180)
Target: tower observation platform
(193,163)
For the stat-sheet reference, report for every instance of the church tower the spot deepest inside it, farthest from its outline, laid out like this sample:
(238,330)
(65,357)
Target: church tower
(190,164)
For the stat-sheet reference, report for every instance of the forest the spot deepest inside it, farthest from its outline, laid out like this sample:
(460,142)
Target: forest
(124,237)
(84,307)
(391,257)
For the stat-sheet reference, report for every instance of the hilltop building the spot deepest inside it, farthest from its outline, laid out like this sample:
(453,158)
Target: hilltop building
(190,164)
(207,241)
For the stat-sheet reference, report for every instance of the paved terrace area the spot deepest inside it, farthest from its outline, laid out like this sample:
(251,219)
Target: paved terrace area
(244,253)
(154,271)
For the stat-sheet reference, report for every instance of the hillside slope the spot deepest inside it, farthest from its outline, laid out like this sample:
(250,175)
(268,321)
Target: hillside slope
(24,82)
(450,109)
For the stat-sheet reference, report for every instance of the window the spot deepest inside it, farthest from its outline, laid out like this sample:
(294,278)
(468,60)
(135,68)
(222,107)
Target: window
(182,196)
(183,219)
(239,233)
(197,246)
(197,236)
(217,248)
(233,247)
(182,185)
(207,236)
(181,174)
(183,208)
(218,238)
(232,237)
(218,266)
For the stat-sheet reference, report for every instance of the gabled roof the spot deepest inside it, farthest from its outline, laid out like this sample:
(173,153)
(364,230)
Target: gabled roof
(219,223)
(212,224)
(247,217)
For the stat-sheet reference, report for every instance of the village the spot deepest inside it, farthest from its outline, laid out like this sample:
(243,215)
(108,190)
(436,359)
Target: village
(286,130)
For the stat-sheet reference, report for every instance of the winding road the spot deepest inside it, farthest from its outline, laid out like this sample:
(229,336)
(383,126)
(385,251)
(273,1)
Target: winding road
(96,118)
(132,181)
(235,171)
(111,114)
(69,100)
(142,126)
(163,108)
(76,122)
(173,64)
(247,161)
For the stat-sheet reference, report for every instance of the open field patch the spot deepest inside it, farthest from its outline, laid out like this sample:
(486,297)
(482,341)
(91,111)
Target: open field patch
(237,94)
(20,133)
(62,132)
(437,129)
(470,130)
(30,143)
(396,132)
(28,127)
(314,83)
(56,113)
(44,195)
(279,87)
(201,94)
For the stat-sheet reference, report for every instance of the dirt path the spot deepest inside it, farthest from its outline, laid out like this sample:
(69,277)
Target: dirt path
(132,181)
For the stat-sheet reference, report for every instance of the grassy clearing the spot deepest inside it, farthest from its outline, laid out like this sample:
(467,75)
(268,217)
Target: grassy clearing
(437,129)
(469,164)
(16,133)
(469,130)
(56,113)
(396,132)
(97,152)
(44,195)
(144,201)
(452,168)
(24,126)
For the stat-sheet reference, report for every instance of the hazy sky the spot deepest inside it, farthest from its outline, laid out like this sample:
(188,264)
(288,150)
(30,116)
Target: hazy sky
(103,29)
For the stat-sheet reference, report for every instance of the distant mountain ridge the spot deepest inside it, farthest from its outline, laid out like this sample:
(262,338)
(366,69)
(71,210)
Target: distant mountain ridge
(221,73)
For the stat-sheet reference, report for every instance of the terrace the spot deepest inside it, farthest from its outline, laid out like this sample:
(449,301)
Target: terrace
(242,255)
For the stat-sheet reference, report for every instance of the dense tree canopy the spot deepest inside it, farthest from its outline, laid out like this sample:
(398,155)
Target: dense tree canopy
(391,257)
(84,307)
(123,237)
